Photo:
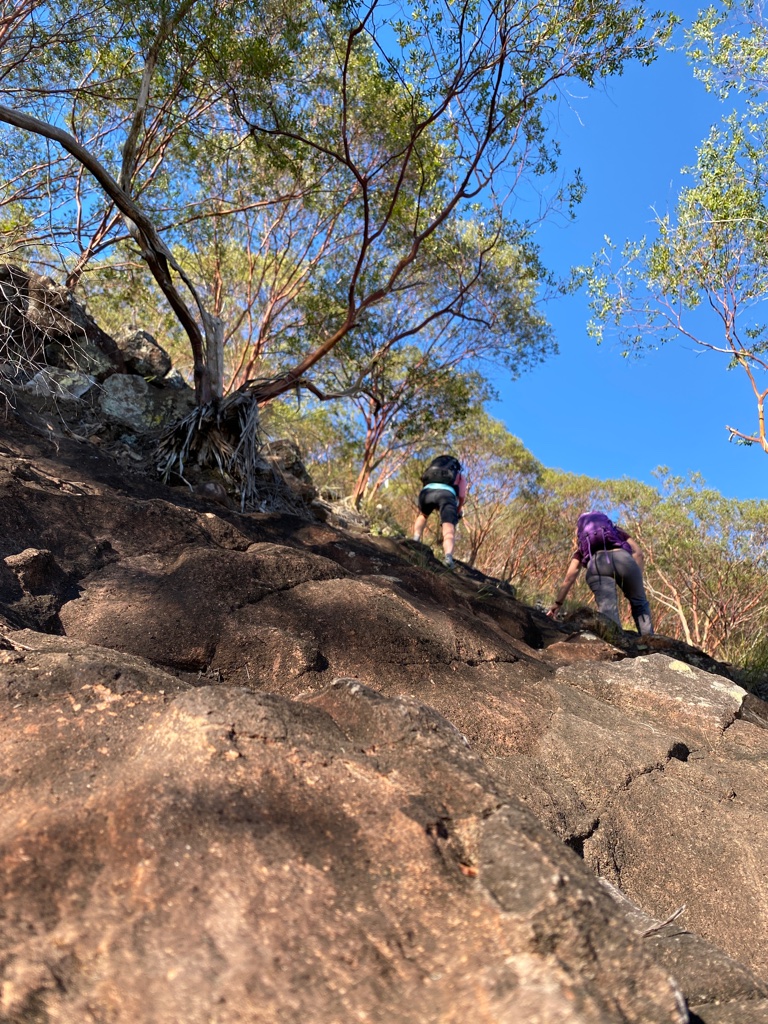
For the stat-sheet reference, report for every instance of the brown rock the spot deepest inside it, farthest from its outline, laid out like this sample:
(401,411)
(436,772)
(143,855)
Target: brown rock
(582,647)
(386,839)
(746,1011)
(175,609)
(35,570)
(212,490)
(228,856)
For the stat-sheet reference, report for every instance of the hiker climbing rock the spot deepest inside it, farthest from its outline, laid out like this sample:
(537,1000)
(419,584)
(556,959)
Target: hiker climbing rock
(612,560)
(444,491)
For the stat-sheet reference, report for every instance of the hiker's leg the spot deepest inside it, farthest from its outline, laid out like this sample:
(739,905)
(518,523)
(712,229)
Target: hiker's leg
(449,539)
(426,507)
(449,517)
(602,584)
(418,526)
(629,576)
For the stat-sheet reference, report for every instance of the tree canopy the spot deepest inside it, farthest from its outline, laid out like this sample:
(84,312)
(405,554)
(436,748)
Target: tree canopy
(703,276)
(305,157)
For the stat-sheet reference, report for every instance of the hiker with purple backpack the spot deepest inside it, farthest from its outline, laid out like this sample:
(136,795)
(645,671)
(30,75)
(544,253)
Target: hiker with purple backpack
(612,560)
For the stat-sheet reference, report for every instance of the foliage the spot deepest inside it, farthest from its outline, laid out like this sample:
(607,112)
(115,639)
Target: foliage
(420,385)
(283,170)
(709,258)
(503,477)
(327,435)
(123,119)
(728,47)
(419,131)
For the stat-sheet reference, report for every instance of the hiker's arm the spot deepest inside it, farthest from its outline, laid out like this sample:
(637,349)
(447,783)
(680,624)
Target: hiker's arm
(637,554)
(461,491)
(570,578)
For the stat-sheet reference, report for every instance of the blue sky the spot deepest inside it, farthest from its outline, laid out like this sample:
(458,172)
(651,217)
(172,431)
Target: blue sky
(589,410)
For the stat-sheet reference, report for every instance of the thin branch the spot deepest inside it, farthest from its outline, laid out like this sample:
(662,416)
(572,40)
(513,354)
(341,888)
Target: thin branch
(663,924)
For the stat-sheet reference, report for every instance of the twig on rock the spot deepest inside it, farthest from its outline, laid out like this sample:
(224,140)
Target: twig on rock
(657,927)
(15,644)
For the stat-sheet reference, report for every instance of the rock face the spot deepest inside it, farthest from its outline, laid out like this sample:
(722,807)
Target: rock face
(129,401)
(143,355)
(56,362)
(41,321)
(223,855)
(258,769)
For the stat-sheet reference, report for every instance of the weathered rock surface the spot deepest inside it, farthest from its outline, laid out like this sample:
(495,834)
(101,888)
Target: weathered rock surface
(44,323)
(66,378)
(129,401)
(259,769)
(225,855)
(143,355)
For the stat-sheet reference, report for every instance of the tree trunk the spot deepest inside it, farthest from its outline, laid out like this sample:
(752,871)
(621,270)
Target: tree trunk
(361,485)
(214,353)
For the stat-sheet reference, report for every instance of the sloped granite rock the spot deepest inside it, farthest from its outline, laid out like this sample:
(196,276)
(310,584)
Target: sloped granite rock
(276,771)
(222,855)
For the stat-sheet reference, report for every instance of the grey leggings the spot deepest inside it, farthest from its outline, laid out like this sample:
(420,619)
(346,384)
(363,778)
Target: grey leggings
(608,570)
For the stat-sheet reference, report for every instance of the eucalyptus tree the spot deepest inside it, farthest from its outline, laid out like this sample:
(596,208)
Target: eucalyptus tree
(429,350)
(260,268)
(111,110)
(409,403)
(424,112)
(503,478)
(405,118)
(702,277)
(356,446)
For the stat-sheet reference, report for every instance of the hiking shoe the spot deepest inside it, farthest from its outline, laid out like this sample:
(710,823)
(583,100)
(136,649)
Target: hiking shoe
(448,562)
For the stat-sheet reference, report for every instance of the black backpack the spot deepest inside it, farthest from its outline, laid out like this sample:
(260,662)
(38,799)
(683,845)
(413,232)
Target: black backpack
(442,470)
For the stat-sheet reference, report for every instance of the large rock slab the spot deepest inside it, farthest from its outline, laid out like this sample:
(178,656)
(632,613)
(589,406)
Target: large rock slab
(691,828)
(694,835)
(664,797)
(663,690)
(173,608)
(45,324)
(594,749)
(717,987)
(289,803)
(368,627)
(129,401)
(219,855)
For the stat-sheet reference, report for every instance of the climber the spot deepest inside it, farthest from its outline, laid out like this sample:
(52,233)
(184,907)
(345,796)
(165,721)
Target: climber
(444,491)
(612,560)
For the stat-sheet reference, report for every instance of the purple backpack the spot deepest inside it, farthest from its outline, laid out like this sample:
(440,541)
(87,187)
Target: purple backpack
(596,532)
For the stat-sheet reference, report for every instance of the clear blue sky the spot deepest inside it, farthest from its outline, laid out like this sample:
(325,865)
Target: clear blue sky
(588,410)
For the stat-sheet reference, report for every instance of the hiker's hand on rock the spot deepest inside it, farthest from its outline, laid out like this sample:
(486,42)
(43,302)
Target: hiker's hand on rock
(554,611)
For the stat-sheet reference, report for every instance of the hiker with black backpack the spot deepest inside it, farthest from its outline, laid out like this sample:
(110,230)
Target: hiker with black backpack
(612,560)
(444,491)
